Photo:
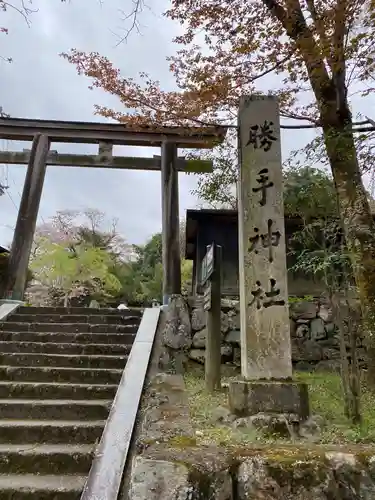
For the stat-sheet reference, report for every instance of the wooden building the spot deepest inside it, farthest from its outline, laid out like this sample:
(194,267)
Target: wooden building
(221,226)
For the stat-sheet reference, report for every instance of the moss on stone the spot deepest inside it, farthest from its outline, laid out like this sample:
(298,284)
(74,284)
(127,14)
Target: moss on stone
(182,441)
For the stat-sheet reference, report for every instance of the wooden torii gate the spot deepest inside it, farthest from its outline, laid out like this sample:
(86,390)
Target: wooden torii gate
(43,132)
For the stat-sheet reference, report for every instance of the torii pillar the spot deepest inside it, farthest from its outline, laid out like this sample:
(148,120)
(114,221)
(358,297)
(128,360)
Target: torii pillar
(15,280)
(170,222)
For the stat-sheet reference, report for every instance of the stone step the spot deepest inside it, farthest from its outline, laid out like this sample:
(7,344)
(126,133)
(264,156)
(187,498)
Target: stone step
(61,374)
(50,431)
(41,487)
(45,459)
(10,326)
(62,338)
(63,348)
(61,318)
(52,390)
(57,409)
(79,311)
(66,360)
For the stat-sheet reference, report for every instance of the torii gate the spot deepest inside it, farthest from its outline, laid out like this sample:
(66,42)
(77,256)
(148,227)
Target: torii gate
(106,135)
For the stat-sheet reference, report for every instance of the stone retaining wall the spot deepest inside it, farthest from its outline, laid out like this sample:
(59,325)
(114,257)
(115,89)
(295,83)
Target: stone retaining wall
(315,339)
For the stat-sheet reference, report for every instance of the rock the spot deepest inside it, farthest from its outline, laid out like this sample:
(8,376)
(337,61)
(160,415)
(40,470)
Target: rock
(304,366)
(159,480)
(303,310)
(199,339)
(286,479)
(198,319)
(275,425)
(293,327)
(176,337)
(317,329)
(302,331)
(223,415)
(325,313)
(226,352)
(198,355)
(177,331)
(353,479)
(228,304)
(237,356)
(255,482)
(331,353)
(311,429)
(233,337)
(328,365)
(330,329)
(224,323)
(333,342)
(234,321)
(307,351)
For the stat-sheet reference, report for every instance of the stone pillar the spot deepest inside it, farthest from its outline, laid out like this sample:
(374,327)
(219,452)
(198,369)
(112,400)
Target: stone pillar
(265,334)
(170,222)
(26,220)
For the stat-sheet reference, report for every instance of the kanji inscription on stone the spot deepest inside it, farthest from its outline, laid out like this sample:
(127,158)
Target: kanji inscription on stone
(266,299)
(265,331)
(268,240)
(264,184)
(262,136)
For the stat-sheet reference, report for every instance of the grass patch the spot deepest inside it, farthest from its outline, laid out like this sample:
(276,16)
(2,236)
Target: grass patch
(325,400)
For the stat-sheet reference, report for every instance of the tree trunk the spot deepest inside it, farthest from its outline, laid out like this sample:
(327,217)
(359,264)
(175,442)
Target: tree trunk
(356,218)
(344,364)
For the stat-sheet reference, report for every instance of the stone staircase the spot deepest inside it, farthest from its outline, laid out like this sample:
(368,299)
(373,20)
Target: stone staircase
(59,371)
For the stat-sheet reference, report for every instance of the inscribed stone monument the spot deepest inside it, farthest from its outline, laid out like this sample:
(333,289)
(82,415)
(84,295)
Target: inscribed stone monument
(265,335)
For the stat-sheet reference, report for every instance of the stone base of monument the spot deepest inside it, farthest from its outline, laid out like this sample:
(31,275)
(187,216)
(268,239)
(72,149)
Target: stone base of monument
(247,398)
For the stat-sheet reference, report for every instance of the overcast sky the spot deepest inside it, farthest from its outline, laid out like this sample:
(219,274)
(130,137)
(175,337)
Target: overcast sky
(40,84)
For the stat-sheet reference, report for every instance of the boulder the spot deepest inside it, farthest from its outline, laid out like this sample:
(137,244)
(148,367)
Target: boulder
(308,350)
(271,425)
(328,365)
(286,479)
(353,479)
(331,353)
(325,313)
(330,328)
(234,321)
(199,339)
(158,480)
(198,355)
(302,331)
(233,337)
(225,322)
(228,304)
(237,356)
(303,310)
(198,319)
(304,366)
(317,329)
(177,333)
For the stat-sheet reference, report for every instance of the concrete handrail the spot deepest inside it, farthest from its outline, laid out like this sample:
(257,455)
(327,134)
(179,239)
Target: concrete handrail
(105,476)
(8,307)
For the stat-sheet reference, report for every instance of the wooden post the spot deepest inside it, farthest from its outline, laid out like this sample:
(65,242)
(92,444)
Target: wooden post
(26,220)
(170,222)
(212,303)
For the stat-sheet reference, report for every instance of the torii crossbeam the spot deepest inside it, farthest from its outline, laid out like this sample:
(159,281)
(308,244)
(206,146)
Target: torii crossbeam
(43,132)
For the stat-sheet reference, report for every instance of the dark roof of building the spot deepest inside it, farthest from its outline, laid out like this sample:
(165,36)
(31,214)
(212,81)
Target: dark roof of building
(224,216)
(3,250)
